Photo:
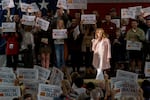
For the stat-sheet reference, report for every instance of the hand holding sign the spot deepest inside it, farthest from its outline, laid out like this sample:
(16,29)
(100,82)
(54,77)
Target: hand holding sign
(7,4)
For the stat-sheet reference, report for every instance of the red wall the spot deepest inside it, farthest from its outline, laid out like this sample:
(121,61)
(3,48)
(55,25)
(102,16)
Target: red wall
(104,8)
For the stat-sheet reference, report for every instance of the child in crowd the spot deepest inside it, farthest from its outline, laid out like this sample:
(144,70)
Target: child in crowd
(59,46)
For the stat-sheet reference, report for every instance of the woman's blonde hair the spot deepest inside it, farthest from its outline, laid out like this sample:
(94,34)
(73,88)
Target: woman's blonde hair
(60,21)
(104,35)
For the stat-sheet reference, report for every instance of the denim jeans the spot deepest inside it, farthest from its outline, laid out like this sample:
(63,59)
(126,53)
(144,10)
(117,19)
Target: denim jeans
(59,51)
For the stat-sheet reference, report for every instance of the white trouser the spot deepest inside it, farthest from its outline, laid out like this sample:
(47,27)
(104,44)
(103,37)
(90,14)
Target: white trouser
(100,75)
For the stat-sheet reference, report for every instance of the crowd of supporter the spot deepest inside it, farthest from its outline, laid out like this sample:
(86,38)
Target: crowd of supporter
(37,47)
(74,88)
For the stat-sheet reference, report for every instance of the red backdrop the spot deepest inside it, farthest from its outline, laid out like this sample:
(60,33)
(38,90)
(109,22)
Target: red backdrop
(104,8)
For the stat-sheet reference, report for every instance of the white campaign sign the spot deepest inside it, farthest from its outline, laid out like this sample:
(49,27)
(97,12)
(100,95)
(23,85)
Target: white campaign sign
(88,18)
(147,69)
(59,33)
(25,7)
(6,69)
(9,91)
(116,21)
(46,91)
(28,20)
(7,82)
(27,74)
(31,86)
(7,4)
(56,77)
(29,7)
(114,80)
(7,75)
(126,88)
(146,11)
(9,27)
(62,4)
(127,75)
(130,45)
(43,72)
(137,10)
(77,4)
(43,24)
(33,8)
(124,13)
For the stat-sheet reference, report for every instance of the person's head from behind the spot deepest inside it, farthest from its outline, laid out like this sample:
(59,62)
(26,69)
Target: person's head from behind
(89,87)
(15,99)
(79,82)
(146,88)
(96,94)
(74,75)
(66,87)
(100,33)
(27,97)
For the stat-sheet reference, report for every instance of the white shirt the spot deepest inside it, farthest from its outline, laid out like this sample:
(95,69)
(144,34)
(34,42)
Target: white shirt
(27,39)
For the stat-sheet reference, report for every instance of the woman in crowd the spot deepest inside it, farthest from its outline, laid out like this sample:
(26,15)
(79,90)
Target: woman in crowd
(59,46)
(102,53)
